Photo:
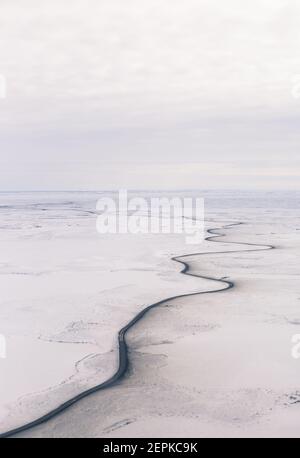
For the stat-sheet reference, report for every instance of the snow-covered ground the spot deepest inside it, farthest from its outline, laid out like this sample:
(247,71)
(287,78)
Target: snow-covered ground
(66,290)
(206,365)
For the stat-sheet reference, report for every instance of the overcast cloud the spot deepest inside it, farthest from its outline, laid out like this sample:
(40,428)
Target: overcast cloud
(104,94)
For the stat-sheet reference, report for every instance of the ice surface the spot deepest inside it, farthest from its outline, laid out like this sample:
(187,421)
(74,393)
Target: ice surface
(211,365)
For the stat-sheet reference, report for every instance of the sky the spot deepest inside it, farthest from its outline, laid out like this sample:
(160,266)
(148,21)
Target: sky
(109,94)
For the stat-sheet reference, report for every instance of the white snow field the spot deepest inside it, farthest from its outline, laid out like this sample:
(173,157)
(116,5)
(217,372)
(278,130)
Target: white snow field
(207,365)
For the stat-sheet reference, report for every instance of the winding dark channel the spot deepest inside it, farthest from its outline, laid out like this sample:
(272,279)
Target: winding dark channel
(123,348)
